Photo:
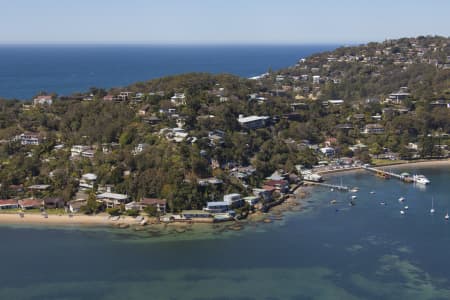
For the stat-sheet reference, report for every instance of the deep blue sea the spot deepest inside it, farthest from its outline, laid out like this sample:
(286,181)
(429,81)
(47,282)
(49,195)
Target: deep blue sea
(367,251)
(25,70)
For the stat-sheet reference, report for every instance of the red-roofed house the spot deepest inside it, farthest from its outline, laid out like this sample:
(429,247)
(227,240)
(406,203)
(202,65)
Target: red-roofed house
(30,203)
(8,204)
(280,185)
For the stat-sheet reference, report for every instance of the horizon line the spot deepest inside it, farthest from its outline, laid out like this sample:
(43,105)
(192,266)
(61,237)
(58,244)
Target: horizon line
(181,43)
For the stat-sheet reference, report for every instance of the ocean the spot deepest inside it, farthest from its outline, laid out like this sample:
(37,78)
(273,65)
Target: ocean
(26,70)
(366,251)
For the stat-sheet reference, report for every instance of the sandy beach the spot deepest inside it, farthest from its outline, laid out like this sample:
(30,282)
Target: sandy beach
(38,219)
(412,164)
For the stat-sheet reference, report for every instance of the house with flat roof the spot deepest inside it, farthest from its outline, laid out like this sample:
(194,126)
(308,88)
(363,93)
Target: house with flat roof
(373,129)
(29,138)
(233,200)
(159,204)
(87,181)
(112,200)
(75,205)
(253,122)
(43,100)
(53,202)
(217,206)
(178,99)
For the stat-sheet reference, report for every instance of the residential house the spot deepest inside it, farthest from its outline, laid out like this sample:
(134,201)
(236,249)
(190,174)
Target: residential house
(83,151)
(112,200)
(217,207)
(159,204)
(76,150)
(178,99)
(140,148)
(75,205)
(87,181)
(266,194)
(253,122)
(336,102)
(110,98)
(30,203)
(29,138)
(280,185)
(144,110)
(152,120)
(252,200)
(209,181)
(316,79)
(233,200)
(398,97)
(43,100)
(373,129)
(327,151)
(53,202)
(199,215)
(9,204)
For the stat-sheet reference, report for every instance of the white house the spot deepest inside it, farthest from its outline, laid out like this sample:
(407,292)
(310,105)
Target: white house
(87,181)
(178,99)
(112,199)
(29,138)
(217,207)
(43,100)
(233,200)
(328,151)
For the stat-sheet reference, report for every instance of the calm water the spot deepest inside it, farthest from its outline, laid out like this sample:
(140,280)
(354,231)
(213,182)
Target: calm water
(367,251)
(27,70)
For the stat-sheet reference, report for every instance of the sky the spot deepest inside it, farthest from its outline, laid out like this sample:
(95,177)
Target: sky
(219,21)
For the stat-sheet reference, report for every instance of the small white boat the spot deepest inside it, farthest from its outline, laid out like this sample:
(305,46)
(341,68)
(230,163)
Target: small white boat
(372,192)
(432,206)
(421,179)
(382,203)
(406,207)
(354,197)
(446,216)
(354,190)
(332,189)
(401,199)
(402,212)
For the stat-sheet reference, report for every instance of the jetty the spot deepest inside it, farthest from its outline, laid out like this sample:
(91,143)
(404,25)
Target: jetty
(331,186)
(387,174)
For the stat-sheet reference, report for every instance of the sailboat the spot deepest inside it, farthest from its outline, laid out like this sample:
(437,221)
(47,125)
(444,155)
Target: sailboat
(446,216)
(432,206)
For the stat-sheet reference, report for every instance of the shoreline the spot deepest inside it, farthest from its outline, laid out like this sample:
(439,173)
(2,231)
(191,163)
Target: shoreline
(408,164)
(64,220)
(104,220)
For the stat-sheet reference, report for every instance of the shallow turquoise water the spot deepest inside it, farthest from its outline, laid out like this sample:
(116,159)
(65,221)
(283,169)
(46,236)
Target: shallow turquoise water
(367,251)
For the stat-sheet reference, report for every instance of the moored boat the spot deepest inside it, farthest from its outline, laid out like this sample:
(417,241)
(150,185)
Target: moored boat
(421,179)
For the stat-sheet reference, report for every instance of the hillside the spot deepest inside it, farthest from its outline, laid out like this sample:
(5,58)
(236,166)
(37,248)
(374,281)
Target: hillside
(162,137)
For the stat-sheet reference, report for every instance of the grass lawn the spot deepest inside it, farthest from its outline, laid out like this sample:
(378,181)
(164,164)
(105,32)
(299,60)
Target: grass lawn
(386,162)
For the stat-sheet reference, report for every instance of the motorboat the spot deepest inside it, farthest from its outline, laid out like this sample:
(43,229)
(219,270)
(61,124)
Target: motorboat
(401,199)
(421,179)
(402,212)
